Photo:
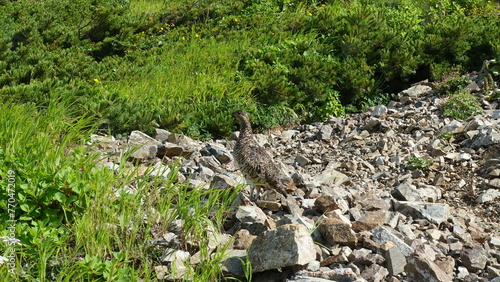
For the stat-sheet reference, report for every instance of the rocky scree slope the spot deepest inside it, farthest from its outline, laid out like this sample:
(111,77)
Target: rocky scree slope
(396,194)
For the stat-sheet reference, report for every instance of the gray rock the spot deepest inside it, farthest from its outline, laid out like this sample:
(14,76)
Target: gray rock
(433,212)
(324,133)
(385,234)
(473,87)
(421,268)
(288,134)
(365,257)
(330,176)
(488,196)
(138,138)
(144,152)
(232,263)
(251,218)
(495,183)
(302,161)
(495,241)
(462,272)
(161,134)
(406,192)
(309,279)
(486,137)
(474,258)
(181,140)
(417,90)
(379,110)
(375,273)
(219,152)
(336,274)
(395,261)
(287,245)
(174,256)
(173,150)
(475,123)
(226,181)
(454,126)
(429,193)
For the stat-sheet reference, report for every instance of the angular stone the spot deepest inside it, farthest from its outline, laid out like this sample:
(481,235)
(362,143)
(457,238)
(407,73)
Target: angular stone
(181,140)
(330,176)
(486,137)
(417,90)
(369,220)
(337,274)
(406,192)
(225,181)
(370,202)
(161,134)
(385,234)
(395,261)
(219,152)
(429,193)
(379,110)
(335,231)
(232,263)
(139,138)
(462,272)
(447,264)
(433,212)
(488,196)
(288,134)
(495,182)
(324,133)
(495,241)
(365,257)
(454,126)
(375,273)
(474,258)
(251,218)
(325,203)
(287,245)
(144,152)
(423,269)
(174,256)
(302,161)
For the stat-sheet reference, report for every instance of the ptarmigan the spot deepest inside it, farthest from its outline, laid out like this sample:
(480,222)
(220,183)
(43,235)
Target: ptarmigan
(255,163)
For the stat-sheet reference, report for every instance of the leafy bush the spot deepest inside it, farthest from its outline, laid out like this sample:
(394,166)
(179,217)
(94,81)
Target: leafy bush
(451,85)
(419,163)
(311,58)
(461,106)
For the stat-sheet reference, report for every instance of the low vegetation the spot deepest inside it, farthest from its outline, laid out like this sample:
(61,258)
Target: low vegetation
(69,68)
(185,66)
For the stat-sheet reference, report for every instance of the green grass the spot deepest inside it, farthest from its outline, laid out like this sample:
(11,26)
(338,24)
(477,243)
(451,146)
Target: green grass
(185,65)
(77,222)
(461,105)
(115,66)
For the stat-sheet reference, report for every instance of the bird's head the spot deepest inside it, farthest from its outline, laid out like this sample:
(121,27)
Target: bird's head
(241,115)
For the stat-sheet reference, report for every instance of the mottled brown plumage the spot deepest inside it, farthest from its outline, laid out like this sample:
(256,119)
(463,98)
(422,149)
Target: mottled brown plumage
(255,163)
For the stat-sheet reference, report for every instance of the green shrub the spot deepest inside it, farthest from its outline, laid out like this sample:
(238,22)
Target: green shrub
(311,58)
(419,163)
(451,85)
(461,106)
